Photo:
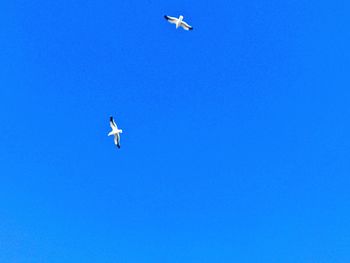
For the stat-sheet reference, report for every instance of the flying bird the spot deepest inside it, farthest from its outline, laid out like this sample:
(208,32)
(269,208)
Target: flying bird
(115,131)
(178,22)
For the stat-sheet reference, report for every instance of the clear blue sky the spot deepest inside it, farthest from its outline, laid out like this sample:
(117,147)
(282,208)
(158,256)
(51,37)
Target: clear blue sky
(236,143)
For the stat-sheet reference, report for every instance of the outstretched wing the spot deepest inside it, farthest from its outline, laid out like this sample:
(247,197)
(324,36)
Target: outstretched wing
(117,140)
(186,26)
(112,123)
(171,19)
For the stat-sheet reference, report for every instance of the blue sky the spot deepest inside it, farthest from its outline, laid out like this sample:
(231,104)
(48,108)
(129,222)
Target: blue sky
(236,134)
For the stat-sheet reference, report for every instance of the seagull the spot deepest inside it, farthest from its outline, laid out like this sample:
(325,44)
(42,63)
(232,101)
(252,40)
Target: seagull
(115,131)
(178,22)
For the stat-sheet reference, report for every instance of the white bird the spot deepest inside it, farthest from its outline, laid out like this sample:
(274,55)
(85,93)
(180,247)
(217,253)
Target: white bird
(178,22)
(115,131)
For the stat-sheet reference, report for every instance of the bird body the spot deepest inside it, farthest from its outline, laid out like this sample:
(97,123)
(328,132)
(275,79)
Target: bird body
(178,23)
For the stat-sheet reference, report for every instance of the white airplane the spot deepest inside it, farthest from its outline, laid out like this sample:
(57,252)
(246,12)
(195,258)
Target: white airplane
(178,22)
(115,131)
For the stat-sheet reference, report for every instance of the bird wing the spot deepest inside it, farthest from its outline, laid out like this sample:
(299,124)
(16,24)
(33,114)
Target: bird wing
(117,140)
(112,123)
(171,19)
(186,26)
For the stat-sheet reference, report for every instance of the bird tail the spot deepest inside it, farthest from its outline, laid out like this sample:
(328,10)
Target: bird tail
(111,133)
